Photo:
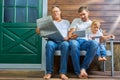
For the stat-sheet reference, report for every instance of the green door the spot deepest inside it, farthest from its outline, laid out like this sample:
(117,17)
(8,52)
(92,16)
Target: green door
(18,40)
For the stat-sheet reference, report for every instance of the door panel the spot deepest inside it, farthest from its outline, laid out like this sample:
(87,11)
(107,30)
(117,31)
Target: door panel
(18,40)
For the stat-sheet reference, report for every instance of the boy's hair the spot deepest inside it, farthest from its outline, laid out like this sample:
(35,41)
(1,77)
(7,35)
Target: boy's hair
(83,8)
(95,22)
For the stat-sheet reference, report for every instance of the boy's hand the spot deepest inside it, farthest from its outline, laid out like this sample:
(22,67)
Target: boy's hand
(111,36)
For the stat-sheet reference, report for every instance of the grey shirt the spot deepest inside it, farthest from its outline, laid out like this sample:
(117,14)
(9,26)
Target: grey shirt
(78,24)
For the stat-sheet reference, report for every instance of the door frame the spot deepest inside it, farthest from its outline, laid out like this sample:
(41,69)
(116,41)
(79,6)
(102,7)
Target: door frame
(31,66)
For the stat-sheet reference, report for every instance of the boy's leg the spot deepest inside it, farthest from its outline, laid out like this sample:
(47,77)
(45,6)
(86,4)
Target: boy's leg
(99,53)
(103,52)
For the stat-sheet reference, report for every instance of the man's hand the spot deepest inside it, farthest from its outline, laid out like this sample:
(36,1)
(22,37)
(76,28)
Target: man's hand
(73,36)
(37,30)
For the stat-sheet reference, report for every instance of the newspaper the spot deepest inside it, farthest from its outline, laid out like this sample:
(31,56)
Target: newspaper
(96,36)
(80,33)
(48,29)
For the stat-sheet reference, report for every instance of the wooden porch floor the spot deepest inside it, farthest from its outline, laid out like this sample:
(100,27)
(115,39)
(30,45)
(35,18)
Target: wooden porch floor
(37,75)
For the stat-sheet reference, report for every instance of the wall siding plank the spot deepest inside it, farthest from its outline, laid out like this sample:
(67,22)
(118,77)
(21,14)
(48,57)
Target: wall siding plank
(61,2)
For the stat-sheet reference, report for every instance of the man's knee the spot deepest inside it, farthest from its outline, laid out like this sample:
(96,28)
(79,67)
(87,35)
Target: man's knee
(50,44)
(65,43)
(93,43)
(73,43)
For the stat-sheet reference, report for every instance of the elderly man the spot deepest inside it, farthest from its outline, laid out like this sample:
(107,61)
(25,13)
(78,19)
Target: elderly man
(63,46)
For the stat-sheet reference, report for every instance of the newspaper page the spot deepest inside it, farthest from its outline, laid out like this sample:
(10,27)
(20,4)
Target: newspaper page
(48,29)
(80,33)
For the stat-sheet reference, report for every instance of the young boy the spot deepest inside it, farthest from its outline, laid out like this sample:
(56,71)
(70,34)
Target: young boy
(96,34)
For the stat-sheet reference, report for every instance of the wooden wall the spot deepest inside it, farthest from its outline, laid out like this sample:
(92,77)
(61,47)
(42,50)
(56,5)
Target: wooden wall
(107,11)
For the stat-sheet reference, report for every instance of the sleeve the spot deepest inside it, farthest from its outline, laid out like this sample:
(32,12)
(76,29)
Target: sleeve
(68,23)
(74,23)
(100,33)
(88,31)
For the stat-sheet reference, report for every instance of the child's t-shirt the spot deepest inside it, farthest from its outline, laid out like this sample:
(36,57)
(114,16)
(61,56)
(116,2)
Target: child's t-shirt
(97,35)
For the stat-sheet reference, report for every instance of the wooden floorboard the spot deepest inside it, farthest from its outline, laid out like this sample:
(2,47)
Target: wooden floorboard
(37,75)
(52,79)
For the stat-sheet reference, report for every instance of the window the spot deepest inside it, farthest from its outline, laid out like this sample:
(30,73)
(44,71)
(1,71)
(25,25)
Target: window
(21,11)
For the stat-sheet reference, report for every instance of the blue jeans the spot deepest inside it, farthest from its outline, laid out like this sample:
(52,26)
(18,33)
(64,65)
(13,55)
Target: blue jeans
(82,44)
(51,46)
(101,50)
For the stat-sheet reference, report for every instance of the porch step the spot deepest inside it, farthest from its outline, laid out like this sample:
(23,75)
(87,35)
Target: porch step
(52,79)
(21,73)
(37,75)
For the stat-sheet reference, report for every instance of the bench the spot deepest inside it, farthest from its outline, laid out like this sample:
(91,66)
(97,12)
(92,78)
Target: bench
(109,53)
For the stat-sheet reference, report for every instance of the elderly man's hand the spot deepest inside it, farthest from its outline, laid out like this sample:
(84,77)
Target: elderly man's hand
(66,38)
(37,30)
